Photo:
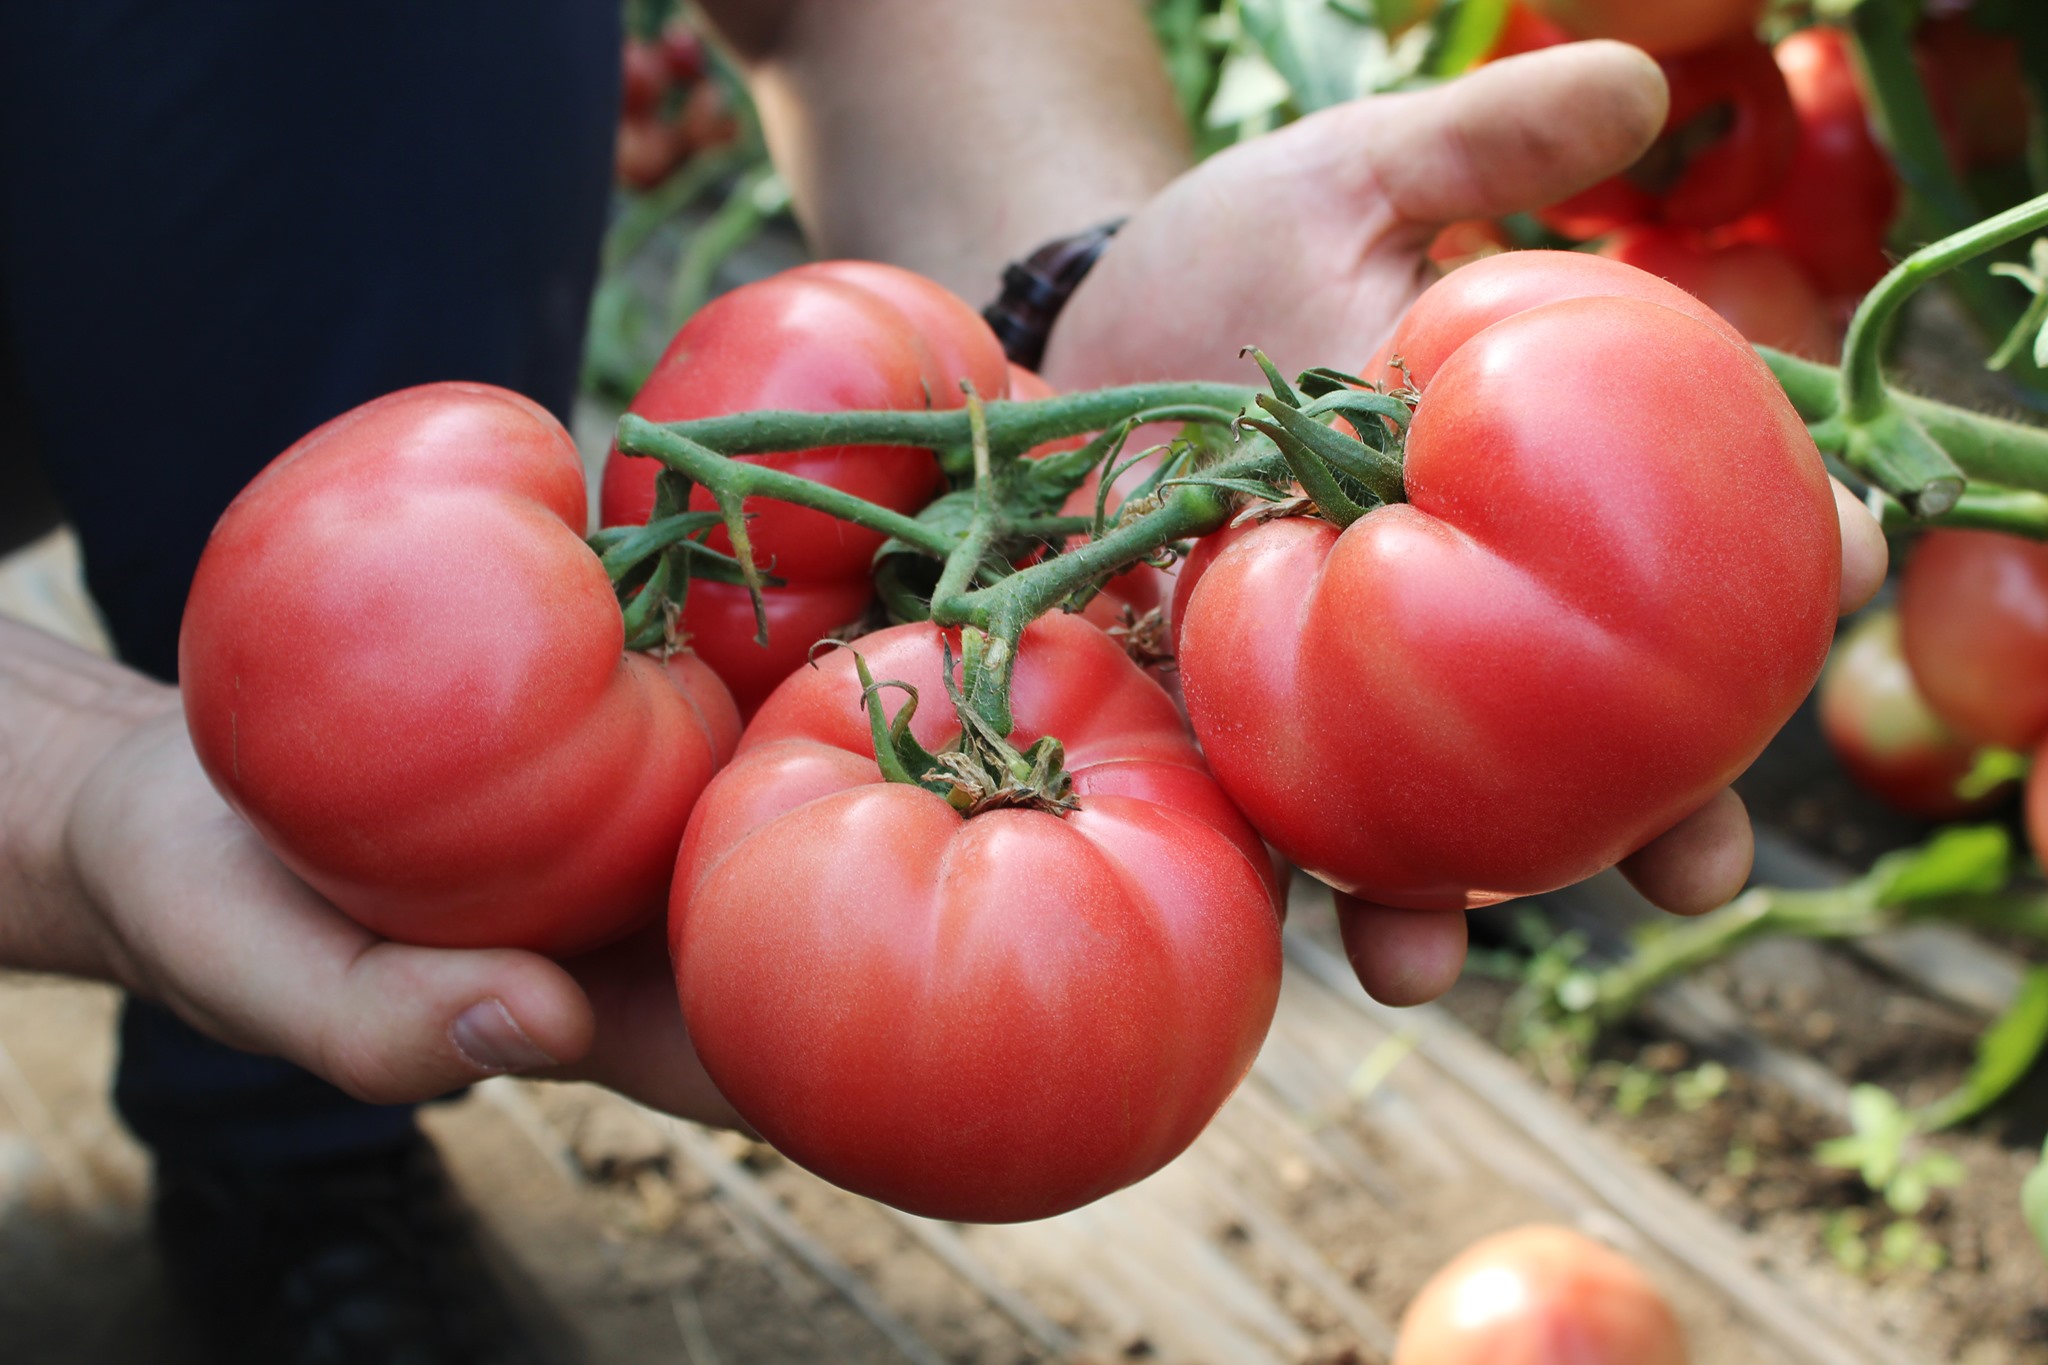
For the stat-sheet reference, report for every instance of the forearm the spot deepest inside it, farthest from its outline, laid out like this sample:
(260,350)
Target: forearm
(61,711)
(952,138)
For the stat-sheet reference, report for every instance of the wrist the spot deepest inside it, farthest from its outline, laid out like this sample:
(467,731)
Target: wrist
(1037,287)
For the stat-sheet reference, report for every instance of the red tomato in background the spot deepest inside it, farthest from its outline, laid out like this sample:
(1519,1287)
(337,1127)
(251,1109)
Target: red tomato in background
(1978,89)
(1525,31)
(1726,146)
(403,666)
(1565,641)
(1973,617)
(1540,1296)
(668,109)
(1465,242)
(829,337)
(1837,203)
(991,1018)
(1663,28)
(1759,289)
(1883,731)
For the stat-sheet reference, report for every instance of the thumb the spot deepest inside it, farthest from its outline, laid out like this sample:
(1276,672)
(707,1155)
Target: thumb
(1517,134)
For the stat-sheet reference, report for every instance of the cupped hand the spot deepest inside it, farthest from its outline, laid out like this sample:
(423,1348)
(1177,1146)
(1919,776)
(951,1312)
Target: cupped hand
(1311,243)
(198,915)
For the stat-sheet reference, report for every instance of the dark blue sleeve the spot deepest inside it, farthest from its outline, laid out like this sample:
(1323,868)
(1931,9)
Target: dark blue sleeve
(223,222)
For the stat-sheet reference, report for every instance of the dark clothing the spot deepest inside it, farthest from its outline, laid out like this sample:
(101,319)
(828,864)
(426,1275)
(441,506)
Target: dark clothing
(223,222)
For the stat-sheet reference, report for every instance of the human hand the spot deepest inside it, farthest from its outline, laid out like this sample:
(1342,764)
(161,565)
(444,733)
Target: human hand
(1311,243)
(198,915)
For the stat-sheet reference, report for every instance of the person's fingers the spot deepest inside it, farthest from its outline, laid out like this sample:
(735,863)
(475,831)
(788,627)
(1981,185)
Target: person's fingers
(1402,957)
(212,925)
(1514,135)
(1698,864)
(642,1048)
(1865,555)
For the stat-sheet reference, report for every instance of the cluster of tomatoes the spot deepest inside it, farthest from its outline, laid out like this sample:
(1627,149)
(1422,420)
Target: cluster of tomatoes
(669,109)
(1914,696)
(403,664)
(1767,194)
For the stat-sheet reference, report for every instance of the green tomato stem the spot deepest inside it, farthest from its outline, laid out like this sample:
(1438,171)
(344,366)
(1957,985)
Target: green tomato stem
(1012,426)
(728,479)
(1989,450)
(1863,391)
(1981,508)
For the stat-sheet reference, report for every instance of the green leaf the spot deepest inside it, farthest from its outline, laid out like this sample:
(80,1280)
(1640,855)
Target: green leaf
(1467,31)
(1248,88)
(1961,860)
(2034,1201)
(1324,53)
(2005,1054)
(1991,769)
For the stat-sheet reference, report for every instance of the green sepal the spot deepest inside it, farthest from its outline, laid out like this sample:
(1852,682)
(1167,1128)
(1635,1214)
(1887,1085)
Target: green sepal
(1373,470)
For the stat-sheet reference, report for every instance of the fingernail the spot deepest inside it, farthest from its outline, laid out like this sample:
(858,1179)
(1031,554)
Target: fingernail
(490,1039)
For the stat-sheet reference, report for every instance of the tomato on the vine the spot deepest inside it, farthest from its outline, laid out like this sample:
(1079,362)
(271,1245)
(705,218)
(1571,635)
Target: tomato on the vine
(1834,208)
(1726,146)
(1614,578)
(1664,28)
(996,1016)
(403,666)
(1759,289)
(829,337)
(1973,617)
(1885,734)
(1540,1296)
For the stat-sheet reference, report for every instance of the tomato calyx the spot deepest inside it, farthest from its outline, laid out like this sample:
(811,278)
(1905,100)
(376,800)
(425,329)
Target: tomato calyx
(981,771)
(1345,476)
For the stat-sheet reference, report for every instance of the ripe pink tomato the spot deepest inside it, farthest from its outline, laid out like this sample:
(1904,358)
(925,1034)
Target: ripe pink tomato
(833,336)
(1567,639)
(993,1017)
(1540,1296)
(1973,617)
(1883,731)
(403,666)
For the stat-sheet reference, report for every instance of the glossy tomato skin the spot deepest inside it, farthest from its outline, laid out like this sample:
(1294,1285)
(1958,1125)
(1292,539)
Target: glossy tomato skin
(993,1018)
(1662,28)
(1973,618)
(402,665)
(1540,1296)
(1498,287)
(1761,291)
(1883,731)
(1727,144)
(1567,639)
(1836,205)
(833,336)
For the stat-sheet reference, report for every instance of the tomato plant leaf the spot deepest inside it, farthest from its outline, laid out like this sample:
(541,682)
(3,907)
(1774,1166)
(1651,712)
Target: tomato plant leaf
(2005,1054)
(1321,51)
(1466,31)
(1991,769)
(1961,860)
(2034,1201)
